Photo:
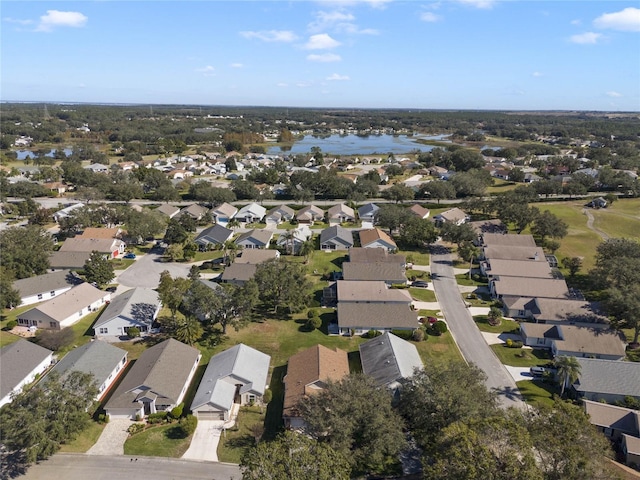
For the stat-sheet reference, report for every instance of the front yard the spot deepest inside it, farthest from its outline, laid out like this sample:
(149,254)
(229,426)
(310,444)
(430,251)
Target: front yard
(422,294)
(159,441)
(521,357)
(235,441)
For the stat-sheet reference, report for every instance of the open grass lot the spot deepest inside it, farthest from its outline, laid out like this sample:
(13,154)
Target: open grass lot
(236,440)
(506,326)
(422,294)
(521,357)
(85,440)
(501,186)
(157,442)
(326,262)
(537,392)
(417,257)
(621,219)
(211,255)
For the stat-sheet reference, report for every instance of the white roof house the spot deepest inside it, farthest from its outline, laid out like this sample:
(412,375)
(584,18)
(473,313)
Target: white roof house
(137,307)
(239,371)
(20,363)
(251,213)
(44,287)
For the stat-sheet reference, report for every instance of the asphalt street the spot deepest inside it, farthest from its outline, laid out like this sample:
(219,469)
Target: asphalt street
(470,341)
(82,467)
(146,270)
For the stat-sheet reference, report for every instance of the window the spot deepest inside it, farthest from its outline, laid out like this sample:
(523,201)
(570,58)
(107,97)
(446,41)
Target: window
(104,330)
(52,324)
(541,341)
(52,293)
(39,296)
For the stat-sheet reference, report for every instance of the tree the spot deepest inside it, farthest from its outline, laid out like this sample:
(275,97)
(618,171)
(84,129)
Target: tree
(417,232)
(25,250)
(617,263)
(441,395)
(292,456)
(44,417)
(472,183)
(175,233)
(54,339)
(623,305)
(398,193)
(144,224)
(187,330)
(174,252)
(9,296)
(494,317)
(457,233)
(573,264)
(547,224)
(438,189)
(568,371)
(282,284)
(355,418)
(172,291)
(306,249)
(98,269)
(392,217)
(567,446)
(468,251)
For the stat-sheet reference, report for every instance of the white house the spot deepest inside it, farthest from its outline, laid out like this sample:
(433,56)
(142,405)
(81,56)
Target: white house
(138,307)
(251,213)
(45,287)
(20,364)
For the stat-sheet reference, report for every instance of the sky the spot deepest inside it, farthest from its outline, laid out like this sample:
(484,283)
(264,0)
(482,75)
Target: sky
(449,54)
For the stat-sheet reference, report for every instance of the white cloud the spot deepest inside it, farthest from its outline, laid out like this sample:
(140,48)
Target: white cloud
(207,71)
(576,22)
(586,38)
(17,21)
(321,41)
(282,84)
(325,58)
(627,20)
(484,4)
(536,74)
(56,18)
(338,77)
(613,94)
(430,17)
(271,35)
(237,65)
(326,20)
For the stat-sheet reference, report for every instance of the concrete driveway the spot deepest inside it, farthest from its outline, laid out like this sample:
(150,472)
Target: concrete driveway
(111,441)
(204,444)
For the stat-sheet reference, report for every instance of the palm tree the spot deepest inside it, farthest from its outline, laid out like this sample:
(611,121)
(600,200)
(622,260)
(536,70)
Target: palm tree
(230,249)
(289,236)
(188,330)
(568,370)
(306,249)
(233,223)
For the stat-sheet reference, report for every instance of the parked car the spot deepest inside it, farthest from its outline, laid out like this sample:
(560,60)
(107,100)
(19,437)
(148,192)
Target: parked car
(537,371)
(420,284)
(130,256)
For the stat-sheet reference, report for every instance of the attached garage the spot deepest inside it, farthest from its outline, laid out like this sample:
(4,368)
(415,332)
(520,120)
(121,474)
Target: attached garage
(202,415)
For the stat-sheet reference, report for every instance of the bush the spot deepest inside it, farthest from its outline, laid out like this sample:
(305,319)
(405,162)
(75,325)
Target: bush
(438,328)
(187,425)
(403,334)
(313,323)
(418,335)
(103,418)
(513,344)
(399,285)
(371,334)
(158,417)
(11,325)
(311,313)
(133,332)
(135,428)
(176,412)
(54,339)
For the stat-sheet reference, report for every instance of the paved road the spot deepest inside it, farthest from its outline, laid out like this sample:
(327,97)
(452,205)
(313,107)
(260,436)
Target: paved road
(472,344)
(146,270)
(82,467)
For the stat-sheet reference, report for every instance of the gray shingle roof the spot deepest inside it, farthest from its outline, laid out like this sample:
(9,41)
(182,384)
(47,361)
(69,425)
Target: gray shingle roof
(238,365)
(97,358)
(46,283)
(257,236)
(163,368)
(64,305)
(74,260)
(377,316)
(338,234)
(241,272)
(388,358)
(215,234)
(17,360)
(137,305)
(503,240)
(385,271)
(608,377)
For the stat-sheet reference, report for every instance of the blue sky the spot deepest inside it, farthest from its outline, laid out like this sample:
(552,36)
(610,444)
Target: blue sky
(453,54)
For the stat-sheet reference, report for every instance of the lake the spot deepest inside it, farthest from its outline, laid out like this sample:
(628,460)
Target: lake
(357,145)
(22,154)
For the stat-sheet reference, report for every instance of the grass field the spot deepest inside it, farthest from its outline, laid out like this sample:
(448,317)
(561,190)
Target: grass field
(157,442)
(236,440)
(506,326)
(85,440)
(422,294)
(537,393)
(521,357)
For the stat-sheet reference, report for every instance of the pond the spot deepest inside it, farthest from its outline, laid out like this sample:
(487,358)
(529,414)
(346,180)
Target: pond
(22,154)
(359,145)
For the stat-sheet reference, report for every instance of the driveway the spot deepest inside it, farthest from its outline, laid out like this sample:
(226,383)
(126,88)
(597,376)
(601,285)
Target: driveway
(146,270)
(468,337)
(204,444)
(111,441)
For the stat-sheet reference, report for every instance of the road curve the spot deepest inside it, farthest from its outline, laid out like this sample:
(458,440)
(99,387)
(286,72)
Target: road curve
(468,337)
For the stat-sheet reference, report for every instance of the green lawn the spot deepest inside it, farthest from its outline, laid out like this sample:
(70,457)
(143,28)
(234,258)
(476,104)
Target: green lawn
(429,313)
(157,442)
(325,262)
(422,294)
(238,439)
(537,392)
(442,348)
(417,274)
(506,326)
(463,279)
(417,257)
(85,440)
(521,357)
(210,255)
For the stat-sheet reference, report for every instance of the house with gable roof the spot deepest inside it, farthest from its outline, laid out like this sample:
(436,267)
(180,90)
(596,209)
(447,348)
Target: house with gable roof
(256,238)
(237,376)
(44,287)
(607,380)
(279,214)
(20,364)
(367,212)
(138,307)
(453,215)
(340,213)
(213,236)
(310,214)
(336,238)
(224,213)
(376,238)
(251,213)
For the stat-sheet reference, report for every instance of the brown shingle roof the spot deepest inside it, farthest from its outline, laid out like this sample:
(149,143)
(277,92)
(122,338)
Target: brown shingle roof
(498,239)
(387,272)
(519,268)
(513,253)
(364,292)
(374,234)
(533,287)
(419,211)
(374,255)
(91,232)
(376,316)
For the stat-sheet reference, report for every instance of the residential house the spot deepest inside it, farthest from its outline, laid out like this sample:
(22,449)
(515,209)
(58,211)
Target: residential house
(44,287)
(390,273)
(375,255)
(419,211)
(21,363)
(336,238)
(493,268)
(251,213)
(606,380)
(506,240)
(611,420)
(55,187)
(100,233)
(501,286)
(256,256)
(340,214)
(292,240)
(552,310)
(157,382)
(453,215)
(280,214)
(256,238)
(310,214)
(97,168)
(138,307)
(65,212)
(507,252)
(110,247)
(376,238)
(68,260)
(630,448)
(308,373)
(195,211)
(238,273)
(65,309)
(237,376)
(367,213)
(168,210)
(100,359)
(213,236)
(388,359)
(224,213)
(371,305)
(574,341)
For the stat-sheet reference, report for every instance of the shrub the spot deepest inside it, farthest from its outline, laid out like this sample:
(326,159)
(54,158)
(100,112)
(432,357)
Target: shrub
(187,425)
(418,335)
(513,344)
(135,428)
(371,334)
(399,285)
(403,334)
(313,323)
(438,328)
(158,417)
(138,417)
(103,418)
(54,339)
(311,313)
(176,412)
(12,324)
(133,332)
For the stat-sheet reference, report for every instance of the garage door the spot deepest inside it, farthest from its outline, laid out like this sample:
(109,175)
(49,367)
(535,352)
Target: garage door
(210,415)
